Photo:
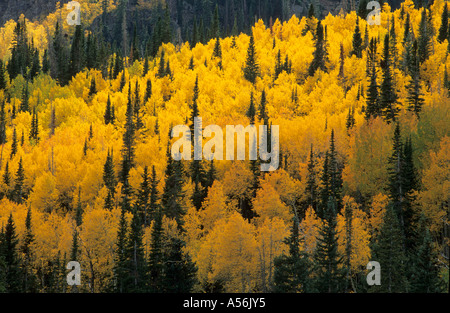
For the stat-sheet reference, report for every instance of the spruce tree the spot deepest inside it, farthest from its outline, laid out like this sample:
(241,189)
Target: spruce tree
(388,95)
(128,140)
(29,279)
(311,183)
(13,144)
(414,99)
(155,262)
(120,261)
(251,112)
(327,269)
(2,76)
(320,55)
(443,29)
(19,193)
(251,68)
(357,41)
(424,39)
(388,251)
(143,198)
(10,251)
(108,111)
(136,265)
(262,114)
(292,271)
(173,190)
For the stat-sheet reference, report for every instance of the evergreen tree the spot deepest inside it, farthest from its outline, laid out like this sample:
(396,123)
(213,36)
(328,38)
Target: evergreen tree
(29,279)
(217,52)
(251,112)
(424,39)
(13,144)
(143,198)
(357,41)
(2,76)
(425,270)
(77,55)
(388,95)
(108,112)
(414,98)
(291,273)
(311,183)
(155,262)
(120,264)
(320,55)
(24,105)
(443,29)
(154,197)
(148,91)
(262,114)
(19,193)
(251,68)
(173,190)
(136,271)
(128,140)
(388,251)
(329,276)
(13,273)
(92,88)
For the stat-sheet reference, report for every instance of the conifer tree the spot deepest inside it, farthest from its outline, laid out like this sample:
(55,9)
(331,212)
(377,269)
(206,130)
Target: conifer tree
(136,271)
(120,262)
(10,251)
(19,193)
(29,279)
(251,112)
(443,29)
(92,88)
(388,95)
(424,39)
(320,55)
(155,262)
(108,112)
(327,268)
(128,140)
(143,198)
(311,183)
(251,68)
(357,41)
(292,271)
(13,144)
(24,105)
(388,251)
(414,99)
(173,190)
(262,114)
(77,54)
(2,76)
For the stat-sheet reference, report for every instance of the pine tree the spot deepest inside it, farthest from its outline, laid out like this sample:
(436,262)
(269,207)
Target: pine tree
(2,76)
(24,105)
(153,198)
(251,68)
(128,140)
(215,26)
(262,114)
(92,88)
(291,273)
(329,277)
(320,55)
(29,279)
(136,270)
(77,55)
(425,270)
(414,98)
(388,95)
(120,264)
(13,144)
(388,251)
(143,198)
(108,112)
(357,41)
(109,178)
(443,29)
(251,112)
(311,189)
(155,262)
(148,91)
(173,190)
(137,107)
(424,39)
(19,193)
(217,52)
(372,100)
(3,137)
(13,273)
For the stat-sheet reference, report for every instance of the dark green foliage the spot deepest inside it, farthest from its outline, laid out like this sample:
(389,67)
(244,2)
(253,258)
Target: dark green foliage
(251,112)
(251,68)
(128,146)
(388,251)
(443,29)
(13,144)
(262,114)
(329,277)
(109,112)
(173,190)
(10,251)
(29,279)
(292,271)
(424,38)
(414,99)
(19,192)
(320,55)
(388,95)
(357,41)
(2,76)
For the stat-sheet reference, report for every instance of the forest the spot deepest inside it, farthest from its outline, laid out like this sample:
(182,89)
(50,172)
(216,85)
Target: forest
(87,175)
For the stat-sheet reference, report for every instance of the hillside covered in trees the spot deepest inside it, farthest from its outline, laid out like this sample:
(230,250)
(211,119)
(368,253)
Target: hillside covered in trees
(86,172)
